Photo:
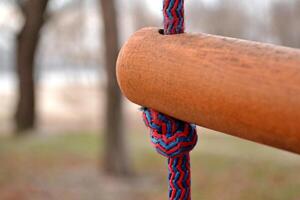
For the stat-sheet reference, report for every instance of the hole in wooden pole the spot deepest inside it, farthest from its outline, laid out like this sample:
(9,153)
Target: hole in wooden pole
(161,31)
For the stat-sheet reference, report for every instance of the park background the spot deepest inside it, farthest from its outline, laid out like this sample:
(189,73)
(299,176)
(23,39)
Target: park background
(65,130)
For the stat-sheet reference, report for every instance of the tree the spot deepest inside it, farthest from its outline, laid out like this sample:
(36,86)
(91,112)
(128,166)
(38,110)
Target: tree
(115,159)
(27,42)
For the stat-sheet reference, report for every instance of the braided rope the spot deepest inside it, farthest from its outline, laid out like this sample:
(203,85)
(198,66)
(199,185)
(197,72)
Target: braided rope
(173,138)
(179,177)
(173,11)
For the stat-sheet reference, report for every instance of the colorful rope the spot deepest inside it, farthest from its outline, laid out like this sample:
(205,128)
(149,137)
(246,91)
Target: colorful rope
(173,11)
(173,138)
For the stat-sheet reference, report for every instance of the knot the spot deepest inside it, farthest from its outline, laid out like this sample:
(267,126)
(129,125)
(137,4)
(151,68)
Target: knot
(171,137)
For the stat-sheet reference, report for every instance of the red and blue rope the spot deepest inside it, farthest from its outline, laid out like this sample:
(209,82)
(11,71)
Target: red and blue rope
(171,137)
(173,11)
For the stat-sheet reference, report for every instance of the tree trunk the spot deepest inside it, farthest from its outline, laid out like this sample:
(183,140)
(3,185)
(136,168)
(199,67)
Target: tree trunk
(116,159)
(27,42)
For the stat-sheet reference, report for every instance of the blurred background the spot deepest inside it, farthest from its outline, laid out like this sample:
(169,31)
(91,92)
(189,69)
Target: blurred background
(67,133)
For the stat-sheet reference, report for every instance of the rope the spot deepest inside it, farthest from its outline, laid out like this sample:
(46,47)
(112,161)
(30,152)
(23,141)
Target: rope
(171,137)
(173,11)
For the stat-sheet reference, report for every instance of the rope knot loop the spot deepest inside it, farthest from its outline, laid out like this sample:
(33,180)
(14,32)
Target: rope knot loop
(171,137)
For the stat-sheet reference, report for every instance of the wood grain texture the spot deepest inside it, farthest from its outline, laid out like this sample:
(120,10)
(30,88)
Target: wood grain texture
(245,89)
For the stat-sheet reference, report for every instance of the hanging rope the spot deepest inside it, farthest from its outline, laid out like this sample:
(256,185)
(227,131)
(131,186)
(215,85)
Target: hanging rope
(173,11)
(173,138)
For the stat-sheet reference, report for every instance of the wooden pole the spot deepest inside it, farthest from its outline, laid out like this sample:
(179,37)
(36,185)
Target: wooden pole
(242,88)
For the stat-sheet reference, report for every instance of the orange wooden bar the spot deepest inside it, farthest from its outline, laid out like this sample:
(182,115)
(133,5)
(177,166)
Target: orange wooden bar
(242,88)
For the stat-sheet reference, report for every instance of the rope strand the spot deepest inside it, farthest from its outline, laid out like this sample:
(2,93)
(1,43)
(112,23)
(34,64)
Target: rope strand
(173,138)
(173,11)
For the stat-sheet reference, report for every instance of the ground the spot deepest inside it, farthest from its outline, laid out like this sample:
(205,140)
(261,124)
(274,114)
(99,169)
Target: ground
(67,166)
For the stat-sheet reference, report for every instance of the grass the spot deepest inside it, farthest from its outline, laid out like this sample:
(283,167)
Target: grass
(67,166)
